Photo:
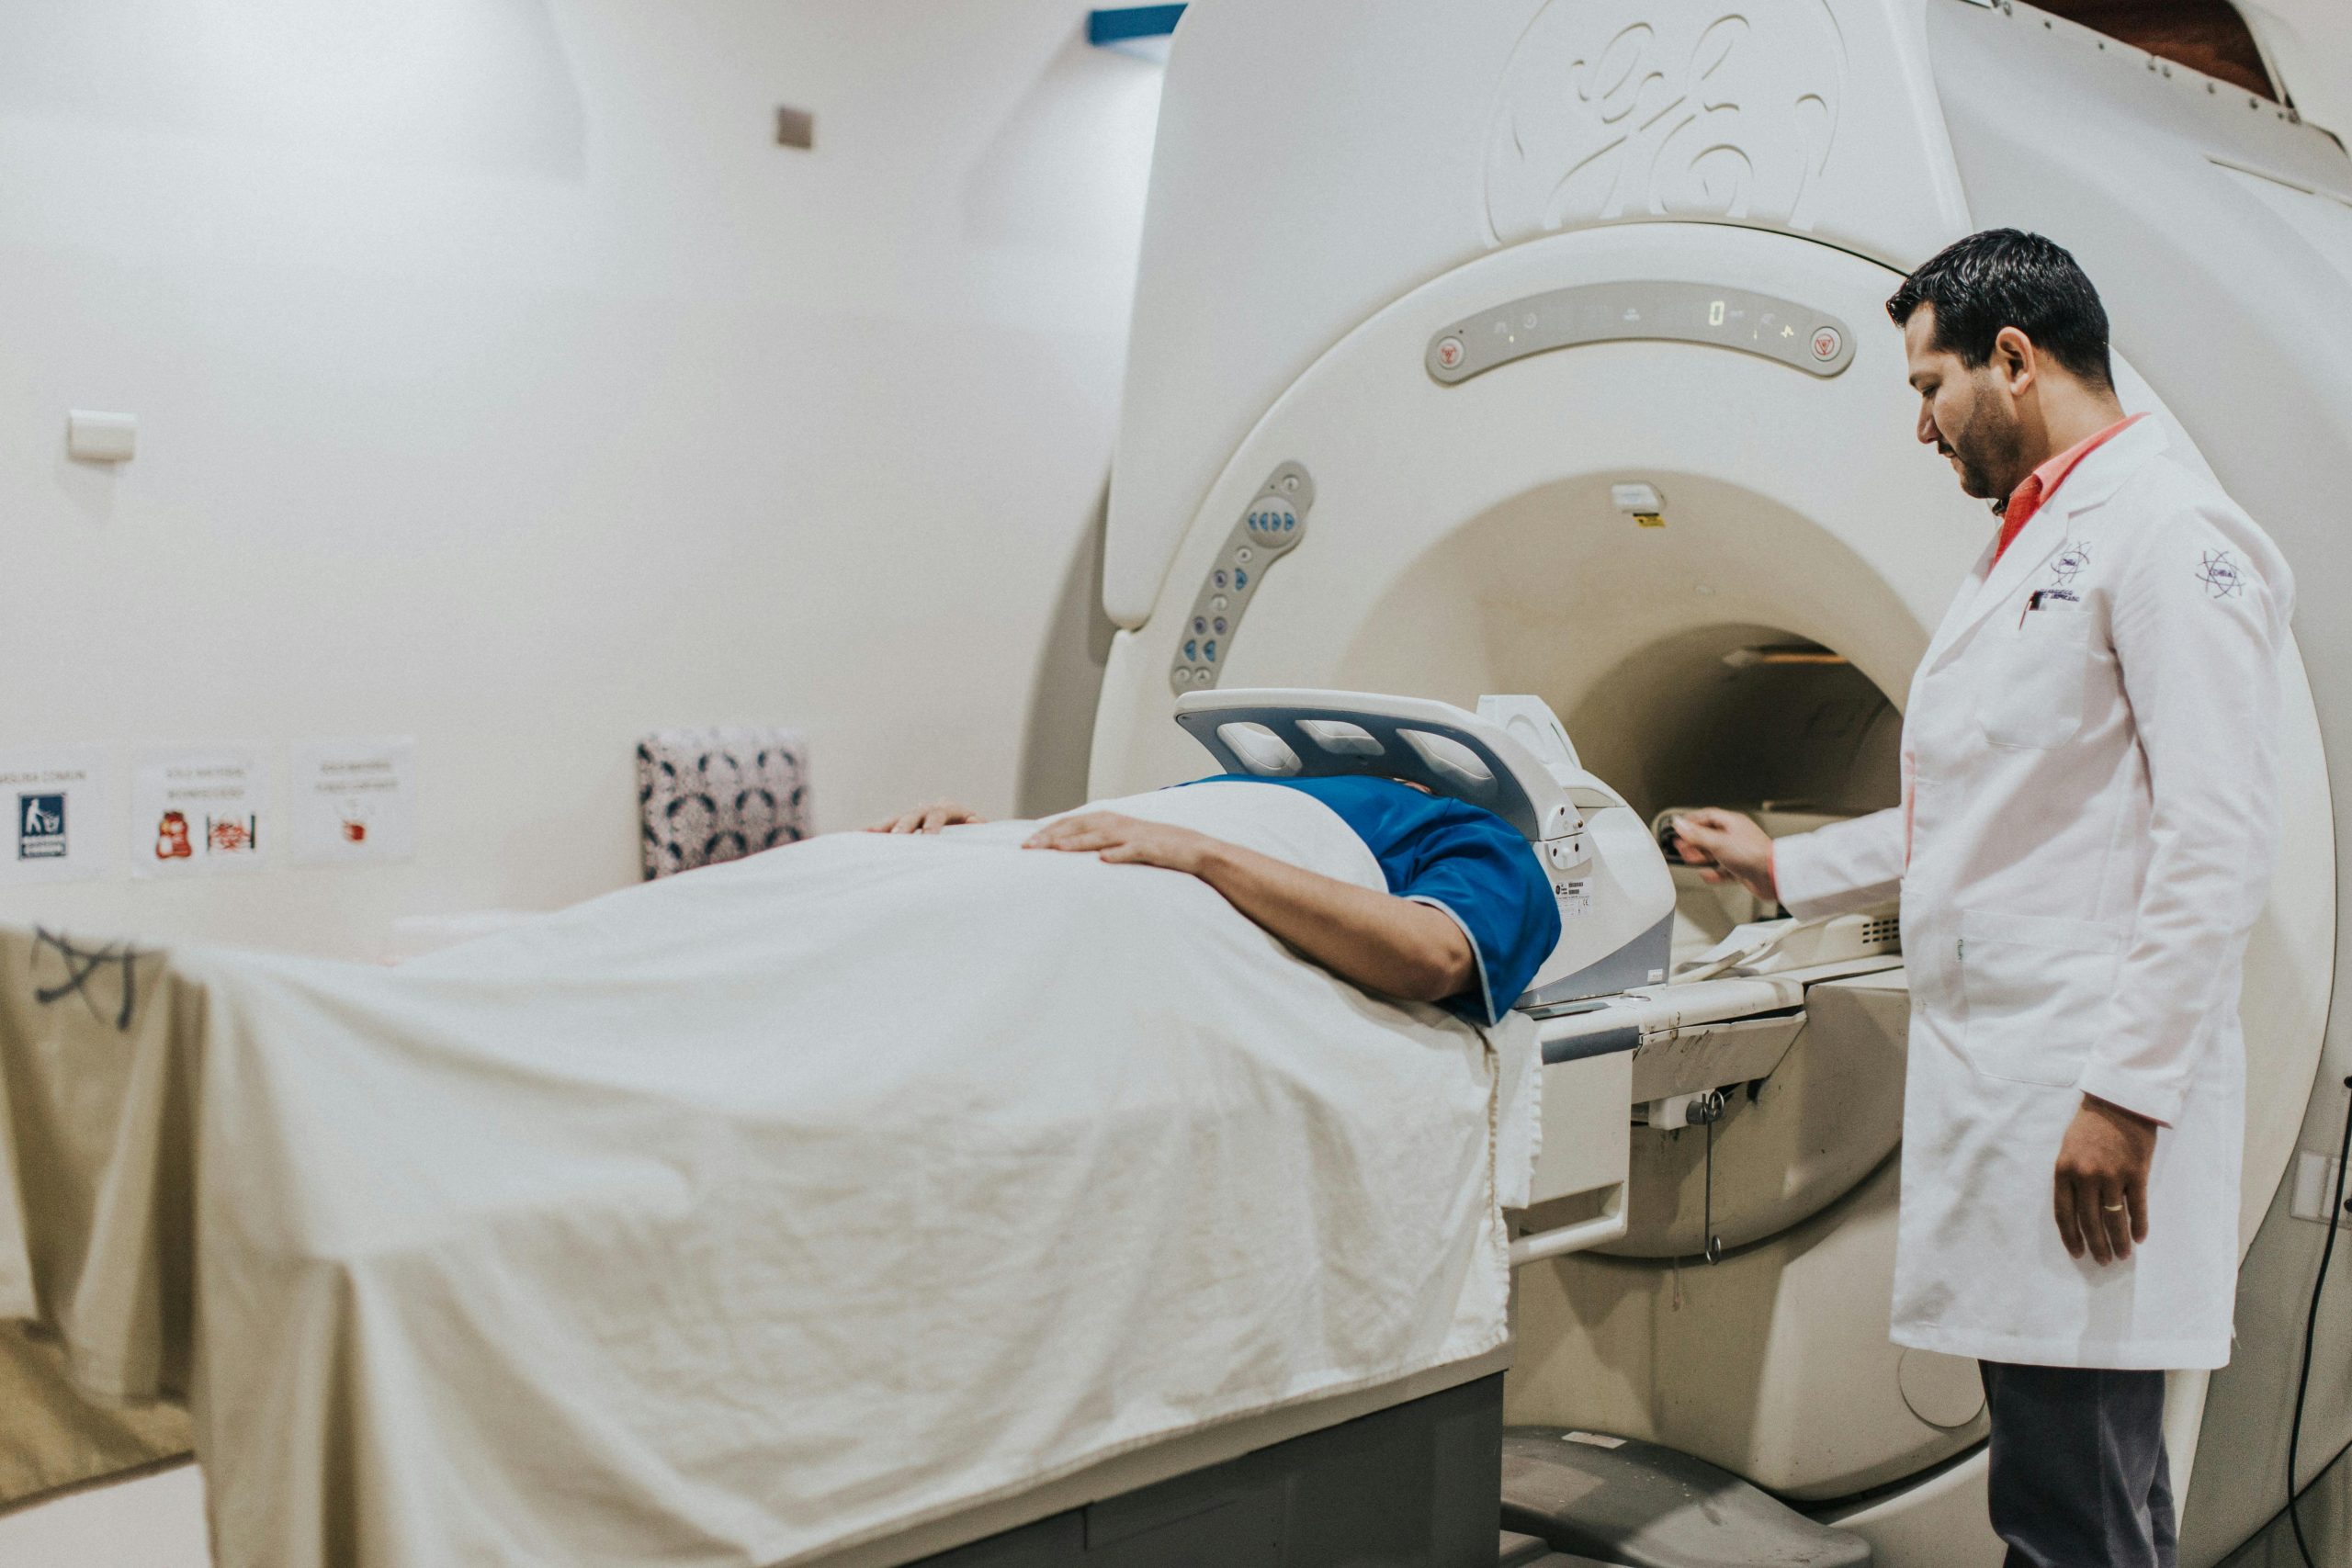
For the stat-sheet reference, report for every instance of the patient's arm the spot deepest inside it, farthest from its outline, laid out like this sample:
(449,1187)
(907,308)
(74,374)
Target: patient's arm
(928,818)
(1380,941)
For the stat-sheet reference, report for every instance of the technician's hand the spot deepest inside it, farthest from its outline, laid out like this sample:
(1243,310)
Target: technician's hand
(929,818)
(1732,848)
(2102,1191)
(1128,840)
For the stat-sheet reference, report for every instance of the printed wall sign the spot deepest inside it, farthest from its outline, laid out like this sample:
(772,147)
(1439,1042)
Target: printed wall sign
(354,800)
(55,801)
(198,810)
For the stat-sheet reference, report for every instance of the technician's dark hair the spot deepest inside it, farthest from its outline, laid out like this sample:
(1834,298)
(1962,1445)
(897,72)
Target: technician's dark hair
(2006,277)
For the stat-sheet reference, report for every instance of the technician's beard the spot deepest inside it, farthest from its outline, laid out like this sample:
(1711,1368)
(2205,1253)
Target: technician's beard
(1988,449)
(1974,481)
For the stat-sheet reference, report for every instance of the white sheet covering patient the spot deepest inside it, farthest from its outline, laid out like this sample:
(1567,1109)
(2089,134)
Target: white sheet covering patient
(740,1216)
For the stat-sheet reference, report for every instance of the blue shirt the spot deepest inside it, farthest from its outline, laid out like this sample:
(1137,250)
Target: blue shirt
(1460,858)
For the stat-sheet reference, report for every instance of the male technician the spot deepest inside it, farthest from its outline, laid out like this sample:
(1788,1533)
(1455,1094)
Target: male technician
(2090,811)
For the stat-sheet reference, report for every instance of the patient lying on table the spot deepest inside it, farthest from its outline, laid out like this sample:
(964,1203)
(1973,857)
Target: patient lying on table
(1467,920)
(745,1215)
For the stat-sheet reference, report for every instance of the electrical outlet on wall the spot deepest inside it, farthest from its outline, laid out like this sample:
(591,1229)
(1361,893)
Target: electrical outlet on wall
(2314,1186)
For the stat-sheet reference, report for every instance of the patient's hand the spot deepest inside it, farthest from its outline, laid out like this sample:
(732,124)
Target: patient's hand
(929,818)
(1128,840)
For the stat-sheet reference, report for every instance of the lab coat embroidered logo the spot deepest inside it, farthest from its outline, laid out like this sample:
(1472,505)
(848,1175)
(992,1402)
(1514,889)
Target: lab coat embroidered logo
(2071,563)
(2221,576)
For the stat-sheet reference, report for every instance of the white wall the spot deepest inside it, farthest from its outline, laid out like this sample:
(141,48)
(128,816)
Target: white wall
(500,382)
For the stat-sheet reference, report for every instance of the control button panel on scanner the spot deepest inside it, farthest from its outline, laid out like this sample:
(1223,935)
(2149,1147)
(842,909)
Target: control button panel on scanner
(1268,527)
(1796,334)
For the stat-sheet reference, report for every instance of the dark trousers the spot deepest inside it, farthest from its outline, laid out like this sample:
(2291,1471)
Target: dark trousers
(2078,1473)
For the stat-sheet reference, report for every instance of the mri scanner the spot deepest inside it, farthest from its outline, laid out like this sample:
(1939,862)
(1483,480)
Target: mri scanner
(1538,346)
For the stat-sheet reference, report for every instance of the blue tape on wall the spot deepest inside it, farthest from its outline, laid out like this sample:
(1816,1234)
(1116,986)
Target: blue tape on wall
(1119,25)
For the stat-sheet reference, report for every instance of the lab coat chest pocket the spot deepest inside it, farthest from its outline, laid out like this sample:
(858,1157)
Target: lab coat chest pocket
(2037,679)
(2035,990)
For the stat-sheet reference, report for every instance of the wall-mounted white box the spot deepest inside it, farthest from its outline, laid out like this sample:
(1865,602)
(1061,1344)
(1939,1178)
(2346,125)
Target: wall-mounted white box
(92,437)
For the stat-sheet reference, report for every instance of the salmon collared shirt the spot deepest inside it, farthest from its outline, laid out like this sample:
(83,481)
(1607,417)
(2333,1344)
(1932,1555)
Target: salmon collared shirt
(2039,486)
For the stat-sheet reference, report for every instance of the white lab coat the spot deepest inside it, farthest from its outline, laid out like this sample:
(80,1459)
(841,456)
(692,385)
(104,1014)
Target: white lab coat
(2090,816)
